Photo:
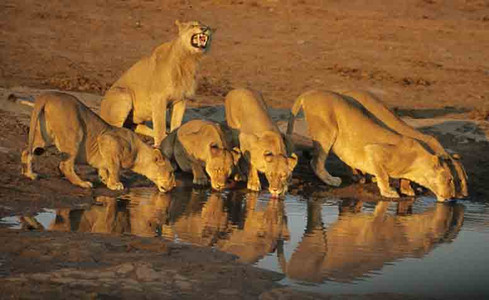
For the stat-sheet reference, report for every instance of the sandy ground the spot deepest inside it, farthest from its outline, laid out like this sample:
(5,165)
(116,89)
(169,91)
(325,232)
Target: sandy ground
(427,59)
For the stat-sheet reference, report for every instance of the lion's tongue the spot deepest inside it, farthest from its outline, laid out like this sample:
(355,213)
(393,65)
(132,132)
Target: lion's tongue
(202,40)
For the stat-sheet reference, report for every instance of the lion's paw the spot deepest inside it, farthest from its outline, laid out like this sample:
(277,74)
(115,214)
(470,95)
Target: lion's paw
(118,186)
(408,191)
(334,181)
(86,184)
(239,177)
(254,186)
(31,175)
(390,193)
(201,181)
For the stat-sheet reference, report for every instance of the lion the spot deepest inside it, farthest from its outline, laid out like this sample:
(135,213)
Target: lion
(199,145)
(381,112)
(362,142)
(260,141)
(62,120)
(167,76)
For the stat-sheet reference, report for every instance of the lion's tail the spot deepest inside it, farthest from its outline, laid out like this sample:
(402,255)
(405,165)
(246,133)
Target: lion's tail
(25,100)
(39,105)
(293,114)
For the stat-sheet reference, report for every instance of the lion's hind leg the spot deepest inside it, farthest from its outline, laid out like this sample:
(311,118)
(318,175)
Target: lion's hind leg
(40,142)
(69,145)
(406,188)
(110,150)
(321,150)
(116,106)
(26,160)
(376,157)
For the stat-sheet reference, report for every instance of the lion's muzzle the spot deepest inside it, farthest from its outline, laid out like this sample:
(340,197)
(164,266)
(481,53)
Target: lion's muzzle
(200,40)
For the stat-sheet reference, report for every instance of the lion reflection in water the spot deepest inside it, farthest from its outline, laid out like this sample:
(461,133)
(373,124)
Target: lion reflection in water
(141,216)
(359,243)
(356,244)
(247,229)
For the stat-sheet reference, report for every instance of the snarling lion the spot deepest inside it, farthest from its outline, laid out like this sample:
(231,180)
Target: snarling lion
(260,141)
(199,145)
(364,143)
(62,120)
(375,106)
(165,77)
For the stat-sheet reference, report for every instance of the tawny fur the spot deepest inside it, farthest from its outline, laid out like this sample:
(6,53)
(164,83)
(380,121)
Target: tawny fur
(375,106)
(62,120)
(200,145)
(260,141)
(167,76)
(361,141)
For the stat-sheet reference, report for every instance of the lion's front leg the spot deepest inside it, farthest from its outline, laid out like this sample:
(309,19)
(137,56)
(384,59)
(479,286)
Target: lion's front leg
(159,120)
(253,179)
(110,151)
(200,178)
(377,155)
(177,114)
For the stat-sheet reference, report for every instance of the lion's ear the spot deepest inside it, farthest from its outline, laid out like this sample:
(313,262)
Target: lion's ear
(158,157)
(292,160)
(179,25)
(437,160)
(214,149)
(236,153)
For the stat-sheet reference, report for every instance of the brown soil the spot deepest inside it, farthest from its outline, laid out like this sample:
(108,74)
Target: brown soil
(427,59)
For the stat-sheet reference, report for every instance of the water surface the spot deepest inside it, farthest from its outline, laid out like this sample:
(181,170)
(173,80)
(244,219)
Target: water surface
(339,246)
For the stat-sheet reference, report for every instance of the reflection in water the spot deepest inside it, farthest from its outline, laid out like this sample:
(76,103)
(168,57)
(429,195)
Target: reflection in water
(358,242)
(141,216)
(263,225)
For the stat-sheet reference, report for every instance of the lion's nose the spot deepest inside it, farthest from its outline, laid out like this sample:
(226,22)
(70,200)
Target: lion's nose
(219,186)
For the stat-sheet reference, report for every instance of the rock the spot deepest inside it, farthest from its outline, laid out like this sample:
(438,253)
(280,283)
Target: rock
(228,292)
(124,268)
(183,285)
(145,273)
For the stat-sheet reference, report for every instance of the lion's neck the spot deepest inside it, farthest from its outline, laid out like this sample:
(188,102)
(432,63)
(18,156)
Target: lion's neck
(142,157)
(184,66)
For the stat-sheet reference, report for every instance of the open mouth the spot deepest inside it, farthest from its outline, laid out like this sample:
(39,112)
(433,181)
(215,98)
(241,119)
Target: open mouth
(199,40)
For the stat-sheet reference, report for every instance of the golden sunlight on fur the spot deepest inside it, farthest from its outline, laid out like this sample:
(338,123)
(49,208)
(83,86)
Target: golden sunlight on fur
(166,77)
(62,120)
(200,145)
(375,106)
(260,141)
(362,142)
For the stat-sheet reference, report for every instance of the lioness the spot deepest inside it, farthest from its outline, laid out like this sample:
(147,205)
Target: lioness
(61,119)
(381,112)
(165,77)
(199,145)
(364,143)
(260,141)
